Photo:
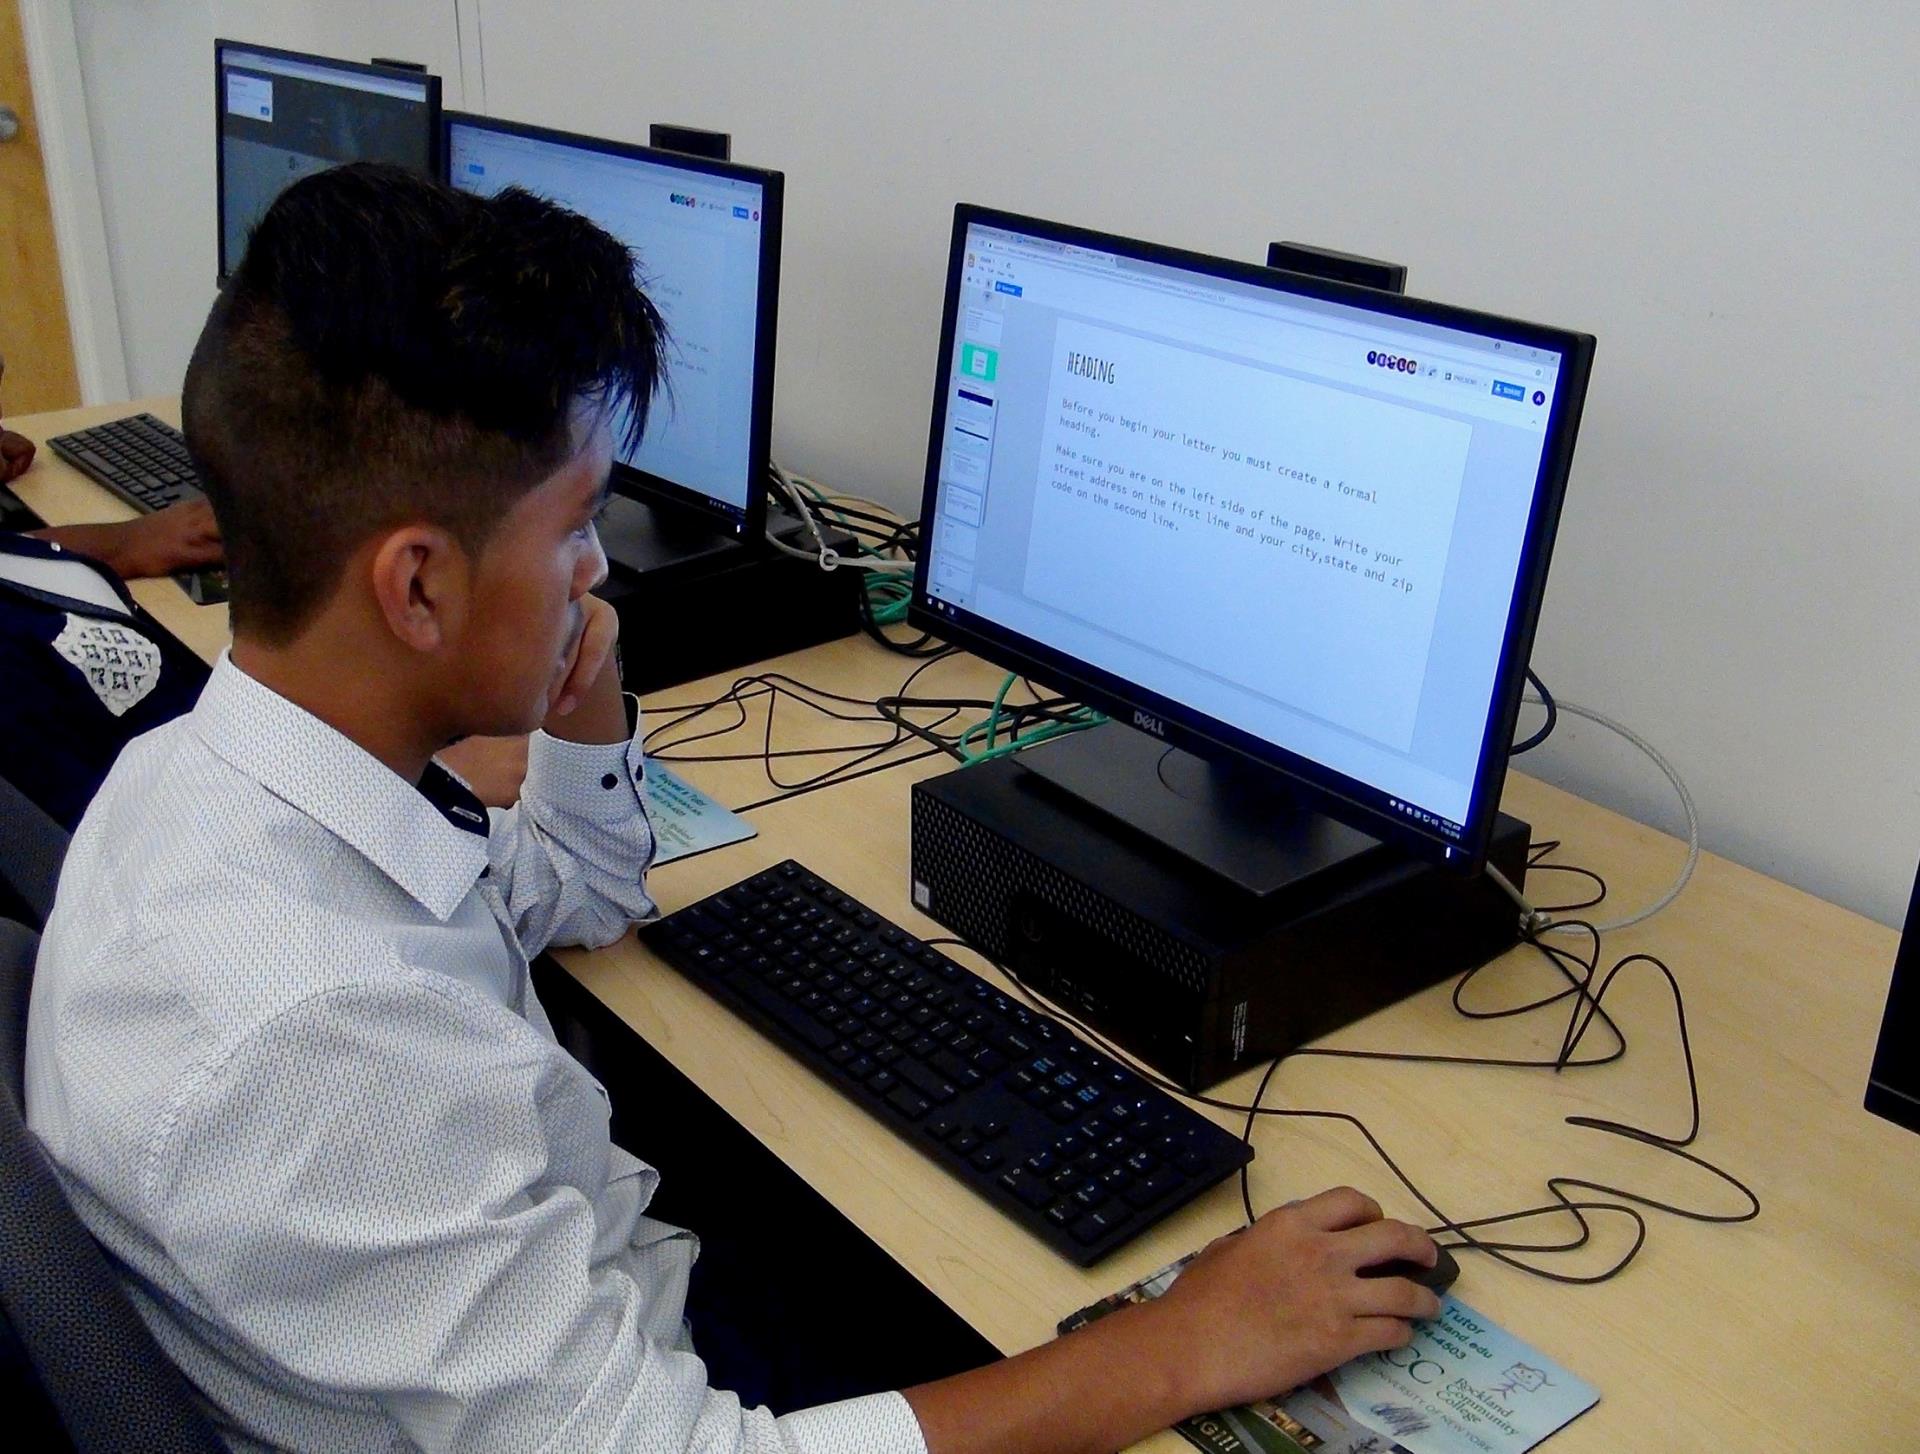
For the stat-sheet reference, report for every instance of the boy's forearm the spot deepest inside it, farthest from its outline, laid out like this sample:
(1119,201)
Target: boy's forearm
(1101,1388)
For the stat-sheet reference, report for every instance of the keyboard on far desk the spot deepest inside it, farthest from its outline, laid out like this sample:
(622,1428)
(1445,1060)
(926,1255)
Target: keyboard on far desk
(1076,1148)
(141,459)
(144,461)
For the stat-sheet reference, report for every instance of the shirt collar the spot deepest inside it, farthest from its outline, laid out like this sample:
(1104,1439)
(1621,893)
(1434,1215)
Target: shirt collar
(426,839)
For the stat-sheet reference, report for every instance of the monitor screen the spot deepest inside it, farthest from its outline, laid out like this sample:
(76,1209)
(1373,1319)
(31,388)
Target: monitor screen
(706,236)
(1250,512)
(283,116)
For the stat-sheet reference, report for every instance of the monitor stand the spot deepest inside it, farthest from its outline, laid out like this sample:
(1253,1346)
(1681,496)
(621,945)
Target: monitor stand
(1239,823)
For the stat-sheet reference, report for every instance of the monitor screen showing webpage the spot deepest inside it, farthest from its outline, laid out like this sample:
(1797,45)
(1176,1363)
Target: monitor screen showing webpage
(286,116)
(700,236)
(1295,523)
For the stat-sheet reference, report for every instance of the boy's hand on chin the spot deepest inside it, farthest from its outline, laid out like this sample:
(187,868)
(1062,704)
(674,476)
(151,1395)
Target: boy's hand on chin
(586,706)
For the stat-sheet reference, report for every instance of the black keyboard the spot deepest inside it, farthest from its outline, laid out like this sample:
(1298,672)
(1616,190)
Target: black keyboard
(141,459)
(144,461)
(1075,1147)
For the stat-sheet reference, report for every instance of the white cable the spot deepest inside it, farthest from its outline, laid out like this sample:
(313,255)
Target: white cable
(1686,802)
(827,558)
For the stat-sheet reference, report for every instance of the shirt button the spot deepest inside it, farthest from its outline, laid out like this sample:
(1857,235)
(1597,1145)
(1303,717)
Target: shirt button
(610,781)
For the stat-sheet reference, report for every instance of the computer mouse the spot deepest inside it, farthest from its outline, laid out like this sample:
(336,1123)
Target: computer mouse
(1438,1278)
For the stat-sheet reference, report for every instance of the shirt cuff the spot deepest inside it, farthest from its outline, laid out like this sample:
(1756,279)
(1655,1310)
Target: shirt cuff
(593,780)
(880,1423)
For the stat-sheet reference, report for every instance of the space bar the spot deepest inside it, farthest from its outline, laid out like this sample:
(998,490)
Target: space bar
(785,1012)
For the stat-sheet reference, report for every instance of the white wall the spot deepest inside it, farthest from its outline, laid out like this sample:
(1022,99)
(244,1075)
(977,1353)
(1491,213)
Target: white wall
(148,73)
(1724,194)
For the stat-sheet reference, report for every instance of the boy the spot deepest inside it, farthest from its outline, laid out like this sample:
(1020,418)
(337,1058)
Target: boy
(282,1040)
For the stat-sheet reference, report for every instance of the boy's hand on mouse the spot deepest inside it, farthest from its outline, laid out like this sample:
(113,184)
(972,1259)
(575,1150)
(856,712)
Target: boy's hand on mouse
(1262,1312)
(587,706)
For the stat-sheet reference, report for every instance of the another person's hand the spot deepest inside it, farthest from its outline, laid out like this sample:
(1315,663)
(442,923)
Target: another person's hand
(180,537)
(16,450)
(1265,1310)
(494,767)
(16,454)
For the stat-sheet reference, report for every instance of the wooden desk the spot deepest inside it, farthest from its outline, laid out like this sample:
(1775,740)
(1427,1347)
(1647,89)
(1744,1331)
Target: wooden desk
(1792,1331)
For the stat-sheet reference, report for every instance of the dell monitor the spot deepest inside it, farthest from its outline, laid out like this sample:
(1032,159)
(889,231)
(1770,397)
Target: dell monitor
(281,115)
(1296,527)
(1893,1090)
(706,241)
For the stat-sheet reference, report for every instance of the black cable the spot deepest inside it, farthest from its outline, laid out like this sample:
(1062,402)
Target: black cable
(1016,715)
(816,786)
(1537,855)
(1588,1007)
(926,644)
(775,687)
(1546,728)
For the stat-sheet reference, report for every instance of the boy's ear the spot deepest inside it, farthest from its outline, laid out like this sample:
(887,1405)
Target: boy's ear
(420,579)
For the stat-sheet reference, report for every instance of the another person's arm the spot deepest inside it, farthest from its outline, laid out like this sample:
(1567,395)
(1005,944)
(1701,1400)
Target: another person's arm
(16,450)
(180,537)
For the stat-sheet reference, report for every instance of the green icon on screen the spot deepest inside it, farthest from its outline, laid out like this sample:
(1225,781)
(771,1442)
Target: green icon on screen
(979,363)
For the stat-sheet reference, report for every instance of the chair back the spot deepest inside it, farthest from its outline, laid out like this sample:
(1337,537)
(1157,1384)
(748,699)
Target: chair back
(32,846)
(71,1339)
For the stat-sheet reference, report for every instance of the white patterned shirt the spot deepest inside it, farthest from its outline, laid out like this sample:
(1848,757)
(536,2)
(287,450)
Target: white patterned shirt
(285,1053)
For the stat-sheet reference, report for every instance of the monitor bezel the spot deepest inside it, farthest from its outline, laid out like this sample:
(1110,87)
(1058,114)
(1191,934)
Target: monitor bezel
(628,480)
(1317,786)
(1893,1087)
(435,166)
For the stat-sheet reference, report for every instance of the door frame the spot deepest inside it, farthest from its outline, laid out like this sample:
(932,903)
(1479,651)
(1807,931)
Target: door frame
(73,190)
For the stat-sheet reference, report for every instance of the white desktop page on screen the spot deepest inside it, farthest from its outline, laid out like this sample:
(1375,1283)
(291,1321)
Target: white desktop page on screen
(1301,519)
(697,237)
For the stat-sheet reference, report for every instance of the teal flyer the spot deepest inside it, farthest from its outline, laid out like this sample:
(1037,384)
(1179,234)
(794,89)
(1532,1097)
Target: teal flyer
(685,820)
(1463,1386)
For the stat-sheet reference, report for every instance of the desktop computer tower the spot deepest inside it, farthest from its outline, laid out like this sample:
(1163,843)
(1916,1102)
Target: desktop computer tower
(1197,978)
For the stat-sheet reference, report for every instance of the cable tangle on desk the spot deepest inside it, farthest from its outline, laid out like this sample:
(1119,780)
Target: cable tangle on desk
(1022,723)
(1572,1196)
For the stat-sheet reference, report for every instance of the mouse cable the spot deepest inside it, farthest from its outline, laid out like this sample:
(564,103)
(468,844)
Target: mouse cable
(1538,855)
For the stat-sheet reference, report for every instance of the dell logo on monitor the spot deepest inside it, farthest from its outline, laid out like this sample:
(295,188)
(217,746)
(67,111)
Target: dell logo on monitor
(1147,722)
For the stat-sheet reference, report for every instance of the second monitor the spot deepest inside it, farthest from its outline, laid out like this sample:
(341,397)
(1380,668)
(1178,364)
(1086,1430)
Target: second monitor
(282,115)
(706,235)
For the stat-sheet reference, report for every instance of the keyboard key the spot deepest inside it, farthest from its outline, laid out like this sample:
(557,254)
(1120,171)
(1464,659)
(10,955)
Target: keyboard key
(1092,1227)
(1028,1187)
(926,1081)
(908,1101)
